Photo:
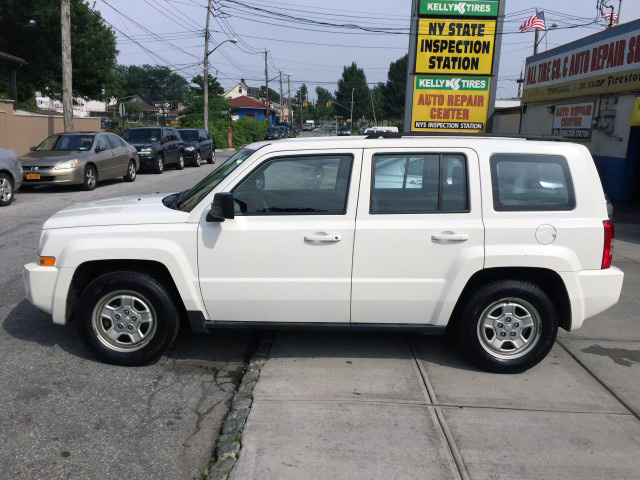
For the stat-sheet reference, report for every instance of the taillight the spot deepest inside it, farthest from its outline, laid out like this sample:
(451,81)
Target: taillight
(607,250)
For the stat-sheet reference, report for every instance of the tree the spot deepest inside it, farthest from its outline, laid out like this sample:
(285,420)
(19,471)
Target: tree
(273,95)
(377,96)
(394,91)
(153,83)
(354,79)
(215,89)
(31,30)
(302,95)
(324,96)
(194,99)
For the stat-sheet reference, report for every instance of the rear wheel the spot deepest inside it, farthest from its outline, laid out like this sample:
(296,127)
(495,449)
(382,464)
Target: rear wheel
(90,178)
(159,166)
(131,172)
(507,326)
(127,318)
(6,190)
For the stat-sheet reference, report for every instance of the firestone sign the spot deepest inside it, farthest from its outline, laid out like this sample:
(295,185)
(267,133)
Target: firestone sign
(609,63)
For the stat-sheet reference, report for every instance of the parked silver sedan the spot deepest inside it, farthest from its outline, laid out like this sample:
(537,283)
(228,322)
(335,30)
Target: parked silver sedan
(81,158)
(10,176)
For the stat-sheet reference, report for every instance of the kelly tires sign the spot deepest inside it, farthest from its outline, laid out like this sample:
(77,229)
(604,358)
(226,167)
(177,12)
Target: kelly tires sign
(450,104)
(573,121)
(453,58)
(450,8)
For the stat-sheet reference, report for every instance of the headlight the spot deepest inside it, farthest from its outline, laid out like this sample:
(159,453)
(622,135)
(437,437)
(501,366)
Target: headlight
(189,149)
(66,165)
(146,150)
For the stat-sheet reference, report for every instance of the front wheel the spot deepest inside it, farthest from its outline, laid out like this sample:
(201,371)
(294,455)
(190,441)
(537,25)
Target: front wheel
(90,178)
(180,165)
(159,166)
(507,326)
(127,318)
(198,160)
(6,190)
(212,157)
(131,172)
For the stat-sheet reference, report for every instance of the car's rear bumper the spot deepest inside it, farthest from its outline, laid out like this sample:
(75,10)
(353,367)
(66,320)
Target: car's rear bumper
(592,292)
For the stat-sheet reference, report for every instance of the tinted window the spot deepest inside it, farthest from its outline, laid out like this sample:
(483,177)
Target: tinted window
(531,182)
(296,185)
(189,135)
(142,134)
(419,183)
(115,141)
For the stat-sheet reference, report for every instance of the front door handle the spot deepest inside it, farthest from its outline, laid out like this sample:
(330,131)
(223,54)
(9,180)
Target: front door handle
(323,238)
(450,237)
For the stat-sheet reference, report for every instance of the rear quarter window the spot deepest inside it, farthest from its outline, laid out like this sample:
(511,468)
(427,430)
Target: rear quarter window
(527,182)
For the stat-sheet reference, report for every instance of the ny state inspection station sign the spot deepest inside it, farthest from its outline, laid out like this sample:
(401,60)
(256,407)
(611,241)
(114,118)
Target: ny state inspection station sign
(454,61)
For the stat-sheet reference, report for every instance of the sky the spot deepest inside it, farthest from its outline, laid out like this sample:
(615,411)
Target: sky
(171,33)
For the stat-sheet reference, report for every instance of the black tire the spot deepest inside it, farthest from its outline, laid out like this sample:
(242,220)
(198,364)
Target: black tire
(474,308)
(180,164)
(90,178)
(146,287)
(197,159)
(211,157)
(158,168)
(131,172)
(7,190)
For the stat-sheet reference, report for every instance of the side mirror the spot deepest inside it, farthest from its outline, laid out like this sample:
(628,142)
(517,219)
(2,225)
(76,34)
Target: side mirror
(33,149)
(221,208)
(98,148)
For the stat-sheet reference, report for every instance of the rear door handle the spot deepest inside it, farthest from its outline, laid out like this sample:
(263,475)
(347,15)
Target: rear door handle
(323,238)
(450,237)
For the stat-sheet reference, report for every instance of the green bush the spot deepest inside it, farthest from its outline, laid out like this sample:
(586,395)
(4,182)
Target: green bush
(245,130)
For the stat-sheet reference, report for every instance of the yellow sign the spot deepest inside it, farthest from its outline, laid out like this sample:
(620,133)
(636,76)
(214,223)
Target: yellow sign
(450,104)
(598,85)
(634,119)
(455,46)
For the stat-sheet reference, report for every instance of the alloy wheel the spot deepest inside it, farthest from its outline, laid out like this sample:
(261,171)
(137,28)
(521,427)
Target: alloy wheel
(509,328)
(90,177)
(124,321)
(132,170)
(6,190)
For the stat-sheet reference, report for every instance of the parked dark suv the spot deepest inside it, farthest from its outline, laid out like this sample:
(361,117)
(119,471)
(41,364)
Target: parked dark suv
(198,146)
(157,147)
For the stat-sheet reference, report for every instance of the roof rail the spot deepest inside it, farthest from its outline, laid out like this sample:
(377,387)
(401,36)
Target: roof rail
(551,138)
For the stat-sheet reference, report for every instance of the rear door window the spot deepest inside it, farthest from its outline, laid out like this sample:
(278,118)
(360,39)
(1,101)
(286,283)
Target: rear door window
(419,183)
(527,182)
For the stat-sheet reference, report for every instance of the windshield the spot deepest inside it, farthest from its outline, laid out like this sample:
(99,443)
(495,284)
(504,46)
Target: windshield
(144,134)
(189,135)
(67,143)
(190,198)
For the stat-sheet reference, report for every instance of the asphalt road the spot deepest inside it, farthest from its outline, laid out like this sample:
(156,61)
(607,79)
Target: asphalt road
(65,415)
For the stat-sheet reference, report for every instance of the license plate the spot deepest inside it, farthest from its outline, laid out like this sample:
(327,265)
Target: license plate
(33,176)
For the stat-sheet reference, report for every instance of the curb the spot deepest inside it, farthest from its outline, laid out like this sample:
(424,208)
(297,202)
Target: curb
(229,443)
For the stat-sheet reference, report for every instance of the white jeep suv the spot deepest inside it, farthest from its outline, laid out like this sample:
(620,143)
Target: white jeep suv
(500,241)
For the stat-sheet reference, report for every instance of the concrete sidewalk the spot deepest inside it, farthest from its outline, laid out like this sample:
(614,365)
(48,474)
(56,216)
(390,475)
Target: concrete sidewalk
(374,406)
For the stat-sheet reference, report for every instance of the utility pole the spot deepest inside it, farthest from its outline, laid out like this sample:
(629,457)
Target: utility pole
(205,85)
(266,79)
(67,83)
(619,12)
(352,90)
(290,116)
(281,103)
(373,107)
(536,42)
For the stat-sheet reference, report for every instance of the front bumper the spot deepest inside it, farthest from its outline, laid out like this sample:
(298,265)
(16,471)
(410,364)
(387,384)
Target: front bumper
(71,176)
(147,160)
(592,292)
(47,288)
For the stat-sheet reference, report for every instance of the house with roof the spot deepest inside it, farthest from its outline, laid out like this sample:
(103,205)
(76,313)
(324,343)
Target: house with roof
(242,89)
(250,107)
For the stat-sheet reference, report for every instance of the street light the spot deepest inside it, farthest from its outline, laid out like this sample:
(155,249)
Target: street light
(205,85)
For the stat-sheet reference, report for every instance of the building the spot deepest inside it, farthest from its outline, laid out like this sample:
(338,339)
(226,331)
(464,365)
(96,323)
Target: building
(81,107)
(589,91)
(242,89)
(250,107)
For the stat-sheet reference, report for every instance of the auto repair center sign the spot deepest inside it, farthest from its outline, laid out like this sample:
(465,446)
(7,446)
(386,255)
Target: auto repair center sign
(607,62)
(573,120)
(454,63)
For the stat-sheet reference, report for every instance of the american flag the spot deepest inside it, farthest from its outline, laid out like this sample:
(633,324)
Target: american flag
(611,18)
(534,22)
